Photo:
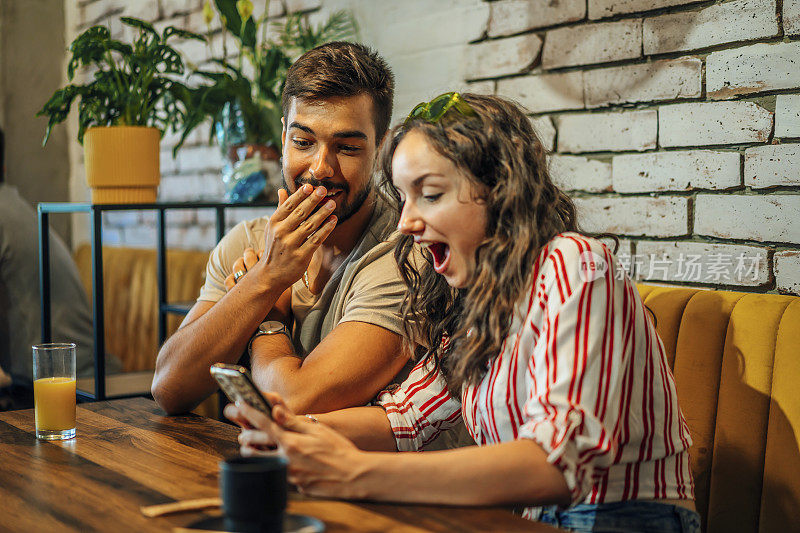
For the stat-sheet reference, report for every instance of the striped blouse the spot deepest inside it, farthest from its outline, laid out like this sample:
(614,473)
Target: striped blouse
(582,373)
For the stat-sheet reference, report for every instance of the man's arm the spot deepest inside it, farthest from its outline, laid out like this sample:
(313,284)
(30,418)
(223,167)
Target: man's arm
(213,333)
(349,367)
(210,333)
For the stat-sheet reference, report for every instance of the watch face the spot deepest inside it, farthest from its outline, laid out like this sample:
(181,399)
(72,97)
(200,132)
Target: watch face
(272,326)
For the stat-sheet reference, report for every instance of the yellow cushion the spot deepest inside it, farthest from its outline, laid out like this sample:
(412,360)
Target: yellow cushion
(780,498)
(701,340)
(131,297)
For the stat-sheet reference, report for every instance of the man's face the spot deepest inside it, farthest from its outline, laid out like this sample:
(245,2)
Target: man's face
(331,142)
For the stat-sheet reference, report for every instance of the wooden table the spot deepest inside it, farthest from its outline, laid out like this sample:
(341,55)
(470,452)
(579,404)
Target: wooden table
(128,454)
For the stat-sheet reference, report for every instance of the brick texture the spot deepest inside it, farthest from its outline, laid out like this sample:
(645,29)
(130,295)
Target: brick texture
(650,82)
(676,171)
(544,128)
(545,92)
(503,56)
(609,8)
(791,17)
(752,69)
(787,271)
(773,165)
(592,43)
(713,123)
(767,218)
(599,132)
(787,115)
(657,217)
(570,172)
(700,262)
(515,16)
(728,22)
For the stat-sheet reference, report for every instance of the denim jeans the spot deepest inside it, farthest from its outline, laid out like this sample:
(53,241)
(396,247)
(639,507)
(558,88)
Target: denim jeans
(619,517)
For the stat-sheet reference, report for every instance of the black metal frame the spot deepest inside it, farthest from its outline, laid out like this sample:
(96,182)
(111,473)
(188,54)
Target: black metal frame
(96,211)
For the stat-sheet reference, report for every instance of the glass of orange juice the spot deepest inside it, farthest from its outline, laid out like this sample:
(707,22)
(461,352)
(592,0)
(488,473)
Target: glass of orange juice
(54,390)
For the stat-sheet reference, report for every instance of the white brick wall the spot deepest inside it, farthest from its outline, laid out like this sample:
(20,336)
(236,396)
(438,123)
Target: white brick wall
(544,128)
(599,132)
(773,165)
(619,59)
(787,115)
(676,171)
(721,23)
(570,172)
(787,271)
(515,16)
(545,92)
(713,123)
(609,8)
(766,218)
(658,217)
(791,17)
(701,262)
(649,82)
(592,43)
(504,56)
(751,69)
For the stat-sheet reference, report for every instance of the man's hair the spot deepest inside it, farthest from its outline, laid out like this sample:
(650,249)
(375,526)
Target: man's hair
(342,69)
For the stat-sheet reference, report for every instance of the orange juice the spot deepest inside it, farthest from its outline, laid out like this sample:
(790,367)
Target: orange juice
(54,401)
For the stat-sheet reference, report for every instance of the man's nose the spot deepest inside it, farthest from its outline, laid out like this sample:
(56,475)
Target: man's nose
(322,167)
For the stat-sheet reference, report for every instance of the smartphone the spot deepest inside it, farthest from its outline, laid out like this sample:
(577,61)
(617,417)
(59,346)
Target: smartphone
(235,381)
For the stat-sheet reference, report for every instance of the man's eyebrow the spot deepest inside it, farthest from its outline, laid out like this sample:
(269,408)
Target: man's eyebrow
(301,127)
(354,134)
(350,135)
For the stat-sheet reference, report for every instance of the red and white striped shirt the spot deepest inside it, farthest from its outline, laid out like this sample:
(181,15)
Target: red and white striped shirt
(582,372)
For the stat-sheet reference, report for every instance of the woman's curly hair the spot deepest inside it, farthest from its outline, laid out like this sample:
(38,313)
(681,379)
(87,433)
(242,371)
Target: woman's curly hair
(464,329)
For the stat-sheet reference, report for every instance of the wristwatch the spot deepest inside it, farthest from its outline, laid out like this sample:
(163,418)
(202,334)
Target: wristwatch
(269,327)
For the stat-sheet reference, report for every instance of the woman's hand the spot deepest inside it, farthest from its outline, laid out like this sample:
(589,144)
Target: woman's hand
(295,232)
(322,462)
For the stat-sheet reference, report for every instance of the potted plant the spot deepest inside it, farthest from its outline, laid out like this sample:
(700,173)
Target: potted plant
(131,98)
(243,100)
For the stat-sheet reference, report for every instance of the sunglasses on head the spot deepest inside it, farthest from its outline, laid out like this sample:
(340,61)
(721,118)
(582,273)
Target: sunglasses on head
(434,110)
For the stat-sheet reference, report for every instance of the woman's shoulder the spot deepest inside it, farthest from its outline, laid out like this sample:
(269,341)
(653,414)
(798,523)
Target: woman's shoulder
(572,258)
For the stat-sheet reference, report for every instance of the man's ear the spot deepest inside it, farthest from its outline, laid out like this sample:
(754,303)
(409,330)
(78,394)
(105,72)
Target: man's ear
(283,131)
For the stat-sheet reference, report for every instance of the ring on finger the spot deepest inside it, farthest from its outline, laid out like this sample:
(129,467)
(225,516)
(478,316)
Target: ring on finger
(238,274)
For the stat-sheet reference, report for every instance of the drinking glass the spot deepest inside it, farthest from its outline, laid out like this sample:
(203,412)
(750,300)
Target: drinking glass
(54,390)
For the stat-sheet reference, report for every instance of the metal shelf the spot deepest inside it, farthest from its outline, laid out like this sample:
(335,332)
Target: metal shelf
(95,211)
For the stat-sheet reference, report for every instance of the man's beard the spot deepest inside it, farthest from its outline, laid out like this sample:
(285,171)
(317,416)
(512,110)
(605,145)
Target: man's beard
(350,206)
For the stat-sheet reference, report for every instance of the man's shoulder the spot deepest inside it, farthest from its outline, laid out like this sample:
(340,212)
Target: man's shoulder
(246,234)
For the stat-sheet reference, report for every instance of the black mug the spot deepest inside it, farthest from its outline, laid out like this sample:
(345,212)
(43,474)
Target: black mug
(254,492)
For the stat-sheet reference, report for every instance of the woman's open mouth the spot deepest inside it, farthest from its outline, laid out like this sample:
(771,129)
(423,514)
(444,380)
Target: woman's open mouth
(441,256)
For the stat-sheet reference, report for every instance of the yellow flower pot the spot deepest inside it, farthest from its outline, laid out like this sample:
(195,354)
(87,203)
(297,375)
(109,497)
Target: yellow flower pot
(122,164)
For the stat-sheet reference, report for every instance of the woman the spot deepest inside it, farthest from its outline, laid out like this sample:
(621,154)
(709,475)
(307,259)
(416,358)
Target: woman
(539,342)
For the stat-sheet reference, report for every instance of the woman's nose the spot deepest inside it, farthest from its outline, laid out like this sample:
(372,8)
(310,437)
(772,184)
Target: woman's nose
(410,224)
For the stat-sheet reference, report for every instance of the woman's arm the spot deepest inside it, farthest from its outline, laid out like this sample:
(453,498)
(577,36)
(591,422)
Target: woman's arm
(323,462)
(511,473)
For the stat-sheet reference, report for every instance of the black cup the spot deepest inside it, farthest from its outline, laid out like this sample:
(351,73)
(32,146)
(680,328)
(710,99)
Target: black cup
(254,493)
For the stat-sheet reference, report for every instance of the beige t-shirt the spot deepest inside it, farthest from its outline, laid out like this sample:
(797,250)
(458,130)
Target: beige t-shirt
(367,287)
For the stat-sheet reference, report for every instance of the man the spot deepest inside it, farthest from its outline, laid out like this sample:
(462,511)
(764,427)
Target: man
(321,265)
(20,322)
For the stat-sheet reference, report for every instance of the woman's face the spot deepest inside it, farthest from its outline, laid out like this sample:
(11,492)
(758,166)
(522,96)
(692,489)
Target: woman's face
(440,208)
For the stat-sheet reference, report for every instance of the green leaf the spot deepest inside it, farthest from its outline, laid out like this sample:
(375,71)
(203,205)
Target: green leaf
(233,22)
(169,31)
(140,24)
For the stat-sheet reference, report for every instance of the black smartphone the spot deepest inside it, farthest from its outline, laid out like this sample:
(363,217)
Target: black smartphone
(235,381)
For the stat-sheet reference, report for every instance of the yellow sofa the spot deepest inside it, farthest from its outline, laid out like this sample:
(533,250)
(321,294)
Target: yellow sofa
(735,356)
(736,360)
(130,289)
